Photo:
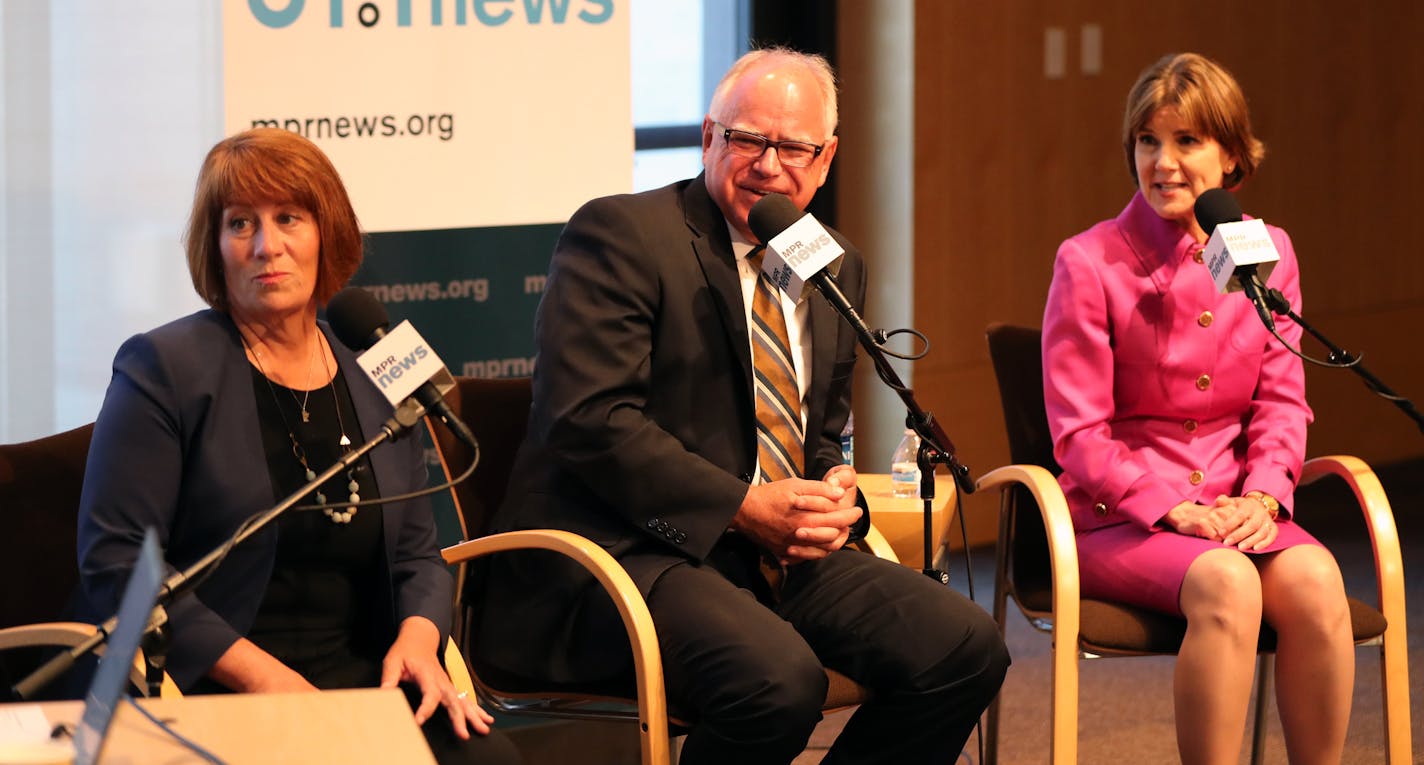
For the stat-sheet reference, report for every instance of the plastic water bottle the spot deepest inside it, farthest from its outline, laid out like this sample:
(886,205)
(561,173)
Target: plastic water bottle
(905,466)
(848,440)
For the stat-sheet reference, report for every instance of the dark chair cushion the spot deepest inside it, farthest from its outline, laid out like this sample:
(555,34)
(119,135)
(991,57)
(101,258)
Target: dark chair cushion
(1114,628)
(39,499)
(497,412)
(1018,368)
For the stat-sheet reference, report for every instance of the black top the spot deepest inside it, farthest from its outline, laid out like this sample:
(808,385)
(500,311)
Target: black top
(320,614)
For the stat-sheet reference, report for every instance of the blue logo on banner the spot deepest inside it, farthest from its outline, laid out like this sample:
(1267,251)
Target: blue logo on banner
(490,13)
(276,19)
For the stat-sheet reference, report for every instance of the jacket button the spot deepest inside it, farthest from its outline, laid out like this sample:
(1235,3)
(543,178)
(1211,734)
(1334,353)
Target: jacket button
(1196,477)
(1197,254)
(1203,382)
(746,477)
(1205,319)
(679,537)
(653,523)
(1190,426)
(1100,509)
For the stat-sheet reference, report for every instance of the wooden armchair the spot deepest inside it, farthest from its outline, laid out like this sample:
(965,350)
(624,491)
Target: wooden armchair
(1037,566)
(40,482)
(497,412)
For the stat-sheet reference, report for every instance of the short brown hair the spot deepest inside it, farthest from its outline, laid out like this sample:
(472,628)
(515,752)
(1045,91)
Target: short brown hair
(271,165)
(1207,97)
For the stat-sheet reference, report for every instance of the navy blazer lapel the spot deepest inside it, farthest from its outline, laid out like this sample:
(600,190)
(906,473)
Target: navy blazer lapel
(371,408)
(825,323)
(243,446)
(713,246)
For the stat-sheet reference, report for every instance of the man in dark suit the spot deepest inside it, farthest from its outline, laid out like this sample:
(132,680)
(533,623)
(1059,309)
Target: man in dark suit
(644,438)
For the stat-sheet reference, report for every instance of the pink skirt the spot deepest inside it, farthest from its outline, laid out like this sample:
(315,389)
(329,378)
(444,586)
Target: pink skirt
(1129,564)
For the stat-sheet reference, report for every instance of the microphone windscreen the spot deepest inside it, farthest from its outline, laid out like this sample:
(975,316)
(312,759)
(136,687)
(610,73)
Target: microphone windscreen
(357,318)
(1214,207)
(771,215)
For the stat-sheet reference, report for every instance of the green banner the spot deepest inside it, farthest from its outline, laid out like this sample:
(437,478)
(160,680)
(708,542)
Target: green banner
(471,293)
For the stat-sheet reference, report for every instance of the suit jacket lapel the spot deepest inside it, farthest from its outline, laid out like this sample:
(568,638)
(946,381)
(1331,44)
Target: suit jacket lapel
(713,246)
(825,323)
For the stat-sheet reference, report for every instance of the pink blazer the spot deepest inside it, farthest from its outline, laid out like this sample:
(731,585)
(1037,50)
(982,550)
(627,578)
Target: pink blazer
(1158,389)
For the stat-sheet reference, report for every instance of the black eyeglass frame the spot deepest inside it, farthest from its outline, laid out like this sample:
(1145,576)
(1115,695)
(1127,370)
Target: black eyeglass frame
(768,143)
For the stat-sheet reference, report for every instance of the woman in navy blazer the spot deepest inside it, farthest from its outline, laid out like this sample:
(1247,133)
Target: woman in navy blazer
(1180,425)
(214,417)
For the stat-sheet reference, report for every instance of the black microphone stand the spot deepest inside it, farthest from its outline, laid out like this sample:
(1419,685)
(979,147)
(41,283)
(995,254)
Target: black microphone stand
(180,582)
(1339,356)
(935,446)
(155,651)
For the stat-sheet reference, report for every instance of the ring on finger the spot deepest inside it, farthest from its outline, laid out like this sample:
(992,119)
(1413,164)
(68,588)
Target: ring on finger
(462,695)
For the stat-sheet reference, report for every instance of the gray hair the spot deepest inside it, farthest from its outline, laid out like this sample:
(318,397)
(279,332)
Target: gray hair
(814,63)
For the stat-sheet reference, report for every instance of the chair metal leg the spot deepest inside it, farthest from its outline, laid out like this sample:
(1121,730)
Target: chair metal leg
(1063,555)
(1264,664)
(1000,609)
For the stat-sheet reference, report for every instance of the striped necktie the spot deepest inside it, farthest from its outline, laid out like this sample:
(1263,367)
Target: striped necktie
(780,434)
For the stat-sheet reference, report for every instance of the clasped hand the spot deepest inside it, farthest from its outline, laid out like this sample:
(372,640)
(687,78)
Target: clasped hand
(798,519)
(1241,522)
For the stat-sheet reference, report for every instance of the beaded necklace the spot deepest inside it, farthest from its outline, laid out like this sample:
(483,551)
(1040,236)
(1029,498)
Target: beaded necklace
(335,516)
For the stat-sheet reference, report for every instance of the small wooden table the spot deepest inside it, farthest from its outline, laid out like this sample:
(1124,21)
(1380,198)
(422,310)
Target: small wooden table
(365,725)
(902,520)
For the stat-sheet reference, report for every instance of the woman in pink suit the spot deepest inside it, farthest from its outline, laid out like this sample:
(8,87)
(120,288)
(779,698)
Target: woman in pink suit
(1179,422)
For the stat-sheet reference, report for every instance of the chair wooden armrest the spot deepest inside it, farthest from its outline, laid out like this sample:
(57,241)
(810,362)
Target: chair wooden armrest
(70,634)
(647,661)
(1063,554)
(1389,567)
(875,543)
(1062,545)
(456,667)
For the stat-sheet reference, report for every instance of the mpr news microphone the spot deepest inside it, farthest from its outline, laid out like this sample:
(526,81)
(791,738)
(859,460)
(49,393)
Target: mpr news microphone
(800,252)
(399,361)
(1239,251)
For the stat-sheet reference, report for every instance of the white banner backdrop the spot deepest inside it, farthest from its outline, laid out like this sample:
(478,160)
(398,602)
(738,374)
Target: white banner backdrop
(443,113)
(467,132)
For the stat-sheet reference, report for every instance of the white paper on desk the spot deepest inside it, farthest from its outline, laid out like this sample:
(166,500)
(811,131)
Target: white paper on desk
(23,724)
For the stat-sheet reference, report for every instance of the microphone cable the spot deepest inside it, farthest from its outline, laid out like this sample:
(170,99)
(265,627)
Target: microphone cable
(193,584)
(1281,307)
(474,463)
(164,726)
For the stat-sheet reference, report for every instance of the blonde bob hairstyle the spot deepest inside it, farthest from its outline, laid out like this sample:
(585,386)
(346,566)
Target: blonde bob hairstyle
(1207,98)
(266,165)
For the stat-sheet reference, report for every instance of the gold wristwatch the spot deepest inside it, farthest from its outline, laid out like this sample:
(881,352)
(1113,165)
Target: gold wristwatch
(1273,508)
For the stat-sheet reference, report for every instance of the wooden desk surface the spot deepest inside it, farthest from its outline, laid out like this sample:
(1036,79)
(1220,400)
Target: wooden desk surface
(901,520)
(365,725)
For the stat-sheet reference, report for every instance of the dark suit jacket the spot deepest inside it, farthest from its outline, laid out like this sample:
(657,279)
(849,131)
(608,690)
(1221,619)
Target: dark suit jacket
(642,435)
(177,446)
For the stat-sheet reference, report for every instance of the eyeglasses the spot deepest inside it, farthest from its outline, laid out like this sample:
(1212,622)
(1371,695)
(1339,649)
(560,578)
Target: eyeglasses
(790,153)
